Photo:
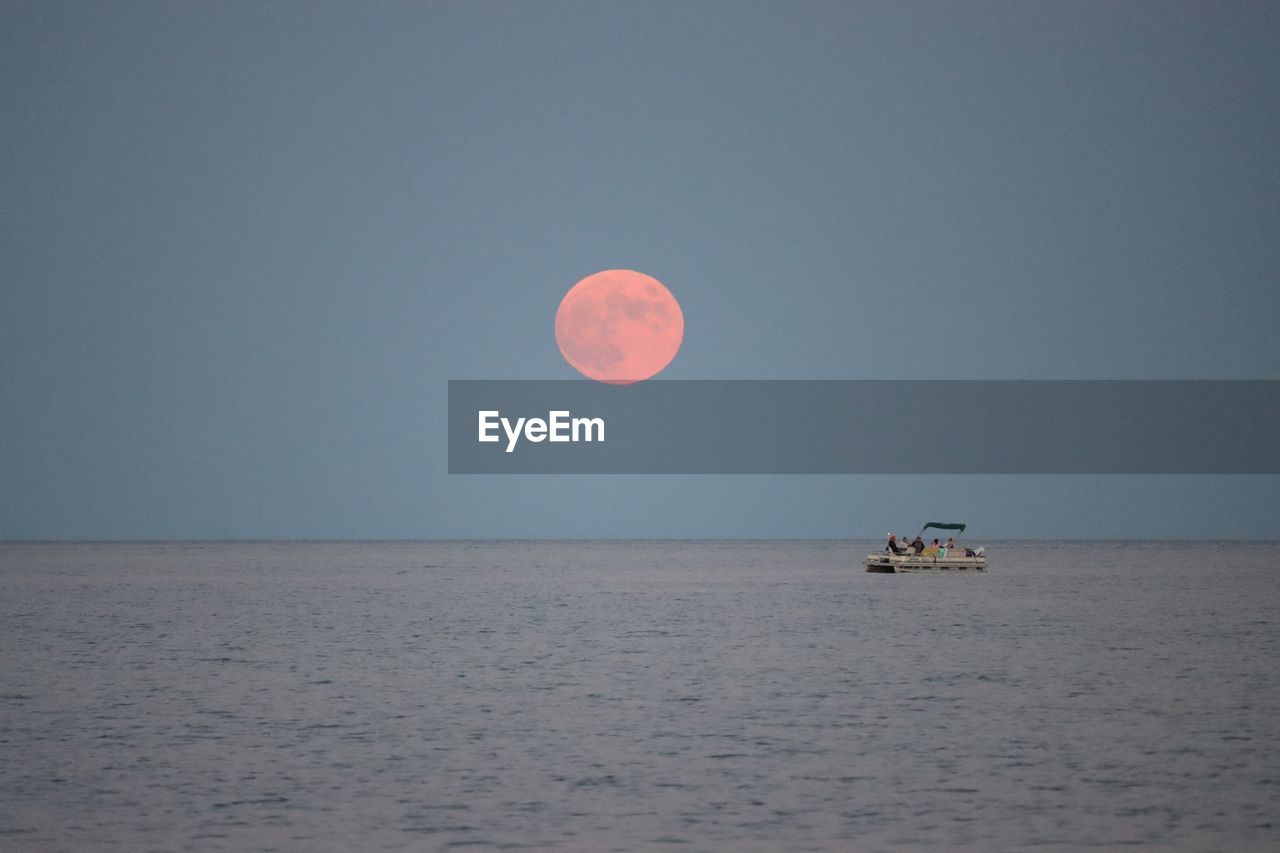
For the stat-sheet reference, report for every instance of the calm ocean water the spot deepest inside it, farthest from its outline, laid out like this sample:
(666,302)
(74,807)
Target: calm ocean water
(636,695)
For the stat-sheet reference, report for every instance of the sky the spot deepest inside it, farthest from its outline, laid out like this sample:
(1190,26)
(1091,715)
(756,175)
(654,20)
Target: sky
(245,245)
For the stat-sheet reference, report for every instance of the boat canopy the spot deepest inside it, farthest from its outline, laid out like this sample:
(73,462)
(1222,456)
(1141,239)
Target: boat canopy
(941,526)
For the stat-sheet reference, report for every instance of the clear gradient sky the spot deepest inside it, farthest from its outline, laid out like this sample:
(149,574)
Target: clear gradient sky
(243,246)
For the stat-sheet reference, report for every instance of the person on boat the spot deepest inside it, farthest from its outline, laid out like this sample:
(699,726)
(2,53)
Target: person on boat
(918,544)
(932,550)
(951,543)
(893,545)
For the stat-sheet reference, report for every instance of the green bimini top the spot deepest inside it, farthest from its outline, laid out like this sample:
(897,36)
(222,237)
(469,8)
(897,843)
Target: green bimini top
(939,525)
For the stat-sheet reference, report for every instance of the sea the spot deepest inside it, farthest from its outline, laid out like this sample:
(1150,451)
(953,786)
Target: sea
(648,695)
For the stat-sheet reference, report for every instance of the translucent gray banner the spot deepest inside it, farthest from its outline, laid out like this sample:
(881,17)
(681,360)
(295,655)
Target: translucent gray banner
(865,427)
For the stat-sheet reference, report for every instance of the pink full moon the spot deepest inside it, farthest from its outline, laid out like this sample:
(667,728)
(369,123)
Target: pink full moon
(619,326)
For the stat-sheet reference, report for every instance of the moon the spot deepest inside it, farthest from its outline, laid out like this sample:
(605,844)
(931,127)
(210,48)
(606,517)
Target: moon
(619,326)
